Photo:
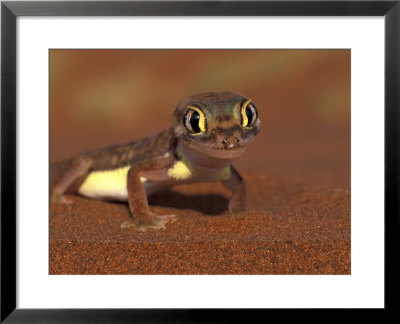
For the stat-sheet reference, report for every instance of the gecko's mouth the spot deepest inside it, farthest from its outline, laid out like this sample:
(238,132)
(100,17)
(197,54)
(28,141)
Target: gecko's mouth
(232,148)
(222,152)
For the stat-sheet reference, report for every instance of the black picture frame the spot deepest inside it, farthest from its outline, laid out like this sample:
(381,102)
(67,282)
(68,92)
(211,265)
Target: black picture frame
(10,10)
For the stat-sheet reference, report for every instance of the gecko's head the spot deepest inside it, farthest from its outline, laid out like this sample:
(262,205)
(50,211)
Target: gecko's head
(219,124)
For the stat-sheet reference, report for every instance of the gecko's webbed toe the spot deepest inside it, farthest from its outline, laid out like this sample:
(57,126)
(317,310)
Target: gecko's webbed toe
(151,221)
(56,198)
(236,205)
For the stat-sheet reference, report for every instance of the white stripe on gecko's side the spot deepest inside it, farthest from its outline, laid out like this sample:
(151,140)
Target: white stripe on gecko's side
(109,184)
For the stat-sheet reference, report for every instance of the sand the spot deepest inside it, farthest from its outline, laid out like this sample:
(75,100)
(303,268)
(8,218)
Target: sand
(289,227)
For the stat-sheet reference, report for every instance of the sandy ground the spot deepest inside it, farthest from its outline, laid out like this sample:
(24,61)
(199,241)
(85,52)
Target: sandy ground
(289,228)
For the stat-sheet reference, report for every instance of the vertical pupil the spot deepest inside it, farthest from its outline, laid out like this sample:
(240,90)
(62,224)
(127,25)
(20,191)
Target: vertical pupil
(194,121)
(249,114)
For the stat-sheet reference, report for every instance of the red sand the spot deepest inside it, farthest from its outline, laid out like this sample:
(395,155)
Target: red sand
(289,228)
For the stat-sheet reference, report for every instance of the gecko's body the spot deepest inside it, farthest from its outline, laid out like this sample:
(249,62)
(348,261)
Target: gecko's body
(209,131)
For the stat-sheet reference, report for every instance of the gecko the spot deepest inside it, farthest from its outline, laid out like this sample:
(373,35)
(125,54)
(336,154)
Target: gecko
(209,131)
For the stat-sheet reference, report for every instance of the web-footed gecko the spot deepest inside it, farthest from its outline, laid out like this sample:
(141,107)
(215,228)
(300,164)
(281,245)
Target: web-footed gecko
(209,131)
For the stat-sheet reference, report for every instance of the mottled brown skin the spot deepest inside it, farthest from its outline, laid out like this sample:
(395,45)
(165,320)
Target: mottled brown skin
(74,171)
(222,139)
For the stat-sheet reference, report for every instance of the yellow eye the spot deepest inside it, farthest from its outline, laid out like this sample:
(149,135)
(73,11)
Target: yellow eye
(194,120)
(248,113)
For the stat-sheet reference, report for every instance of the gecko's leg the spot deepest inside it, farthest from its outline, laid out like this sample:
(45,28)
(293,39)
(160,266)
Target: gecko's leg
(237,186)
(137,198)
(70,176)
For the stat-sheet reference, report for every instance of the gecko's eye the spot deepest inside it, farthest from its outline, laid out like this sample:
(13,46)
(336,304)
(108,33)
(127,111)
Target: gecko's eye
(194,120)
(248,113)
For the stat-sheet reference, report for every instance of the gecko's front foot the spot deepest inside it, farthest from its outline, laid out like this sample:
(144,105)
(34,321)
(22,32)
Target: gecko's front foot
(150,221)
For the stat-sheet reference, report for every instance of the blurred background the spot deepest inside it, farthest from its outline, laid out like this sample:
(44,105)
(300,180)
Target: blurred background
(106,97)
